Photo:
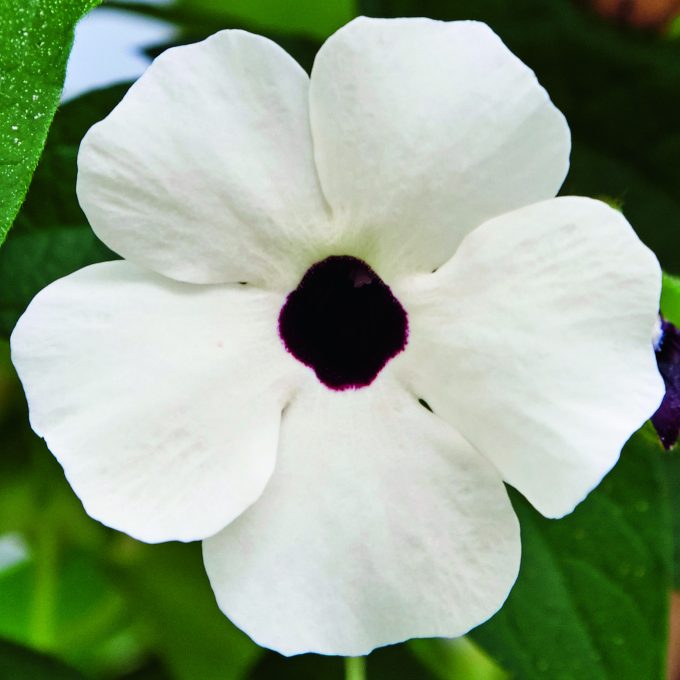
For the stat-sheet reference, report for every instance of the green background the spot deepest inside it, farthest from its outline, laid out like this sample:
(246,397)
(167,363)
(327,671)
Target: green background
(78,600)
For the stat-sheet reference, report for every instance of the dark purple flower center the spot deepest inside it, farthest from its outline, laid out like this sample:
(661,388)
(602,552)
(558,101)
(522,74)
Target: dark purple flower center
(666,420)
(343,322)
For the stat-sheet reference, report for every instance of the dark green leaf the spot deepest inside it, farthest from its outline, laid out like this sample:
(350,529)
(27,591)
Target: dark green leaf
(671,463)
(61,600)
(303,667)
(314,20)
(51,237)
(35,41)
(19,663)
(174,601)
(592,595)
(387,663)
(670,299)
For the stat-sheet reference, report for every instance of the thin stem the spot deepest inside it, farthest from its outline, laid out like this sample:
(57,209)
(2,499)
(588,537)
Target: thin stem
(355,668)
(44,588)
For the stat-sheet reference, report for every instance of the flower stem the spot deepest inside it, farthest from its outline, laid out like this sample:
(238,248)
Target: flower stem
(44,588)
(355,668)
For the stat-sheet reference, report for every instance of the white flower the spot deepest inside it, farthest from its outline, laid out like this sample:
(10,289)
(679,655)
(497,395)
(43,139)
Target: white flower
(338,514)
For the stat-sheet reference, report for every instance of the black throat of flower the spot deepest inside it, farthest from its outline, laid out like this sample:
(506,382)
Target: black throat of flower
(343,322)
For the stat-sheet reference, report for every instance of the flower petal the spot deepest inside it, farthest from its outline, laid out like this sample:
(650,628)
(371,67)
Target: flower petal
(161,400)
(424,129)
(205,171)
(379,524)
(535,341)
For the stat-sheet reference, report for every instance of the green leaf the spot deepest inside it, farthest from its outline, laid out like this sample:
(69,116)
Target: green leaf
(169,590)
(51,237)
(388,662)
(674,29)
(592,595)
(671,464)
(19,663)
(314,20)
(61,600)
(303,667)
(670,298)
(35,41)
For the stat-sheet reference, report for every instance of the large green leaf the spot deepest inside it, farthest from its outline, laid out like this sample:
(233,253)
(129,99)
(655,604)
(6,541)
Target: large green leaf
(60,600)
(314,20)
(35,41)
(387,663)
(173,600)
(670,299)
(592,595)
(51,237)
(20,663)
(671,462)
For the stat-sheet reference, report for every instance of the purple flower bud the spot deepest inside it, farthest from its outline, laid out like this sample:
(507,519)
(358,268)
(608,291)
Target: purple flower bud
(666,420)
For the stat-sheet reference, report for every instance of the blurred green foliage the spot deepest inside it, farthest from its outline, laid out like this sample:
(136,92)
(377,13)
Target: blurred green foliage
(35,41)
(79,600)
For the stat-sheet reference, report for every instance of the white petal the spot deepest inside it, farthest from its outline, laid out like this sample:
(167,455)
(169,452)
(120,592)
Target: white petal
(535,341)
(161,400)
(379,524)
(205,171)
(424,129)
